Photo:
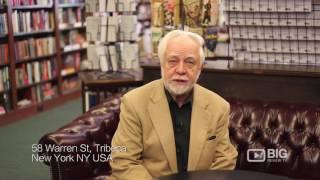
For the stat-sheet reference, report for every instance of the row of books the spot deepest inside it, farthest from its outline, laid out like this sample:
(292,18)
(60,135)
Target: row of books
(70,84)
(71,64)
(93,6)
(3,24)
(35,72)
(32,21)
(34,48)
(4,54)
(37,94)
(4,79)
(70,17)
(73,37)
(30,2)
(112,28)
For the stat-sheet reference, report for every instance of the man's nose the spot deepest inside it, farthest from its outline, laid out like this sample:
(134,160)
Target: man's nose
(181,69)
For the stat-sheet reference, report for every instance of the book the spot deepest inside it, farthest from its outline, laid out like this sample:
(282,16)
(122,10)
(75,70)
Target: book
(210,37)
(3,24)
(128,28)
(91,99)
(34,21)
(48,91)
(93,28)
(103,28)
(112,28)
(130,55)
(4,54)
(92,56)
(92,6)
(210,12)
(102,53)
(70,84)
(192,13)
(111,6)
(29,48)
(113,57)
(126,5)
(157,14)
(102,5)
(1,82)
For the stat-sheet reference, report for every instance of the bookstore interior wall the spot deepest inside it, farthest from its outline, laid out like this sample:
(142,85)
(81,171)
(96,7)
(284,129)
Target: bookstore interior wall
(275,31)
(42,44)
(202,17)
(262,32)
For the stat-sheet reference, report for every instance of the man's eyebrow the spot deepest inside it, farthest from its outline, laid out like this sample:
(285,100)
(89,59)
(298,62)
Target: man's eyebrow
(190,57)
(172,55)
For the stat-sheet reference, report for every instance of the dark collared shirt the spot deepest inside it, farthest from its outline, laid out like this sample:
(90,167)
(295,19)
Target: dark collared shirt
(181,120)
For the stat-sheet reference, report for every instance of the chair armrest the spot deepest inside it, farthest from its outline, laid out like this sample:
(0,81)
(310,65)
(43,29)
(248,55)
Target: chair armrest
(72,151)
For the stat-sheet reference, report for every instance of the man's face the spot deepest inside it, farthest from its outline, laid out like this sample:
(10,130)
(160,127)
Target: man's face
(181,65)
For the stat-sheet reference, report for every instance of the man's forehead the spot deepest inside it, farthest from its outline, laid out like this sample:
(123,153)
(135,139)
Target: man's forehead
(185,54)
(182,39)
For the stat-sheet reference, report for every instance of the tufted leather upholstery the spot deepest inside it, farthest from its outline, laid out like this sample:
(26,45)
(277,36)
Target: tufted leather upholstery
(252,125)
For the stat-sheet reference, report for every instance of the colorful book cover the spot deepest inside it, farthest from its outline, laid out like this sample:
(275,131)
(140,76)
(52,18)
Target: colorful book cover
(210,12)
(166,13)
(210,37)
(169,13)
(157,14)
(192,13)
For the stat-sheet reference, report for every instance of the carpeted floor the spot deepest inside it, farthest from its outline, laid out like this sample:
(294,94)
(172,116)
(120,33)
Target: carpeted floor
(16,141)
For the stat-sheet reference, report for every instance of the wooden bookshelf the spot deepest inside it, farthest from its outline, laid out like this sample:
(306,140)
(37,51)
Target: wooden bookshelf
(31,59)
(37,83)
(45,32)
(3,36)
(3,65)
(74,50)
(32,7)
(52,60)
(71,27)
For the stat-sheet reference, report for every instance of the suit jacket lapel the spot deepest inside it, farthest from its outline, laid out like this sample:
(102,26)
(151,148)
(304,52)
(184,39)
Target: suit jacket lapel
(161,119)
(198,128)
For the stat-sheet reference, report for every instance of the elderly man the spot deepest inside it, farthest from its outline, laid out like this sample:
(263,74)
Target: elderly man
(172,124)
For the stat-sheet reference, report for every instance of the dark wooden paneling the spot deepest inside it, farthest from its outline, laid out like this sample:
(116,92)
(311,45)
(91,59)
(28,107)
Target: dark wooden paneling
(256,84)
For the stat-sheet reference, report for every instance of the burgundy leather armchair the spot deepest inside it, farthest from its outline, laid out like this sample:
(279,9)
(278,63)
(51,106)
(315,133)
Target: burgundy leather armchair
(253,125)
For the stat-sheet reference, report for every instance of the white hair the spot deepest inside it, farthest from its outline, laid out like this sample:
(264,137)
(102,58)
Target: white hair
(176,33)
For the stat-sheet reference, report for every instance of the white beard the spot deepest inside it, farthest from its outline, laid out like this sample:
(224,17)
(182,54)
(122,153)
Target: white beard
(177,90)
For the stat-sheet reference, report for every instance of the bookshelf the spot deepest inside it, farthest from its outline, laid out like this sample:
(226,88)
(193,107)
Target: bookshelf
(5,87)
(73,43)
(39,64)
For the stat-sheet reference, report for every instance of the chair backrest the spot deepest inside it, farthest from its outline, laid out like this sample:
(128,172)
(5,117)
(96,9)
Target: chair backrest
(287,135)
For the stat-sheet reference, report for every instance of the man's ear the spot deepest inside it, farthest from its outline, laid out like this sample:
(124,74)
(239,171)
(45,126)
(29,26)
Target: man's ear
(201,66)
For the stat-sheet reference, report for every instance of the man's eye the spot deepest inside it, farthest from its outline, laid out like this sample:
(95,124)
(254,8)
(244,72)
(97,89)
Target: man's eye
(172,61)
(189,62)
